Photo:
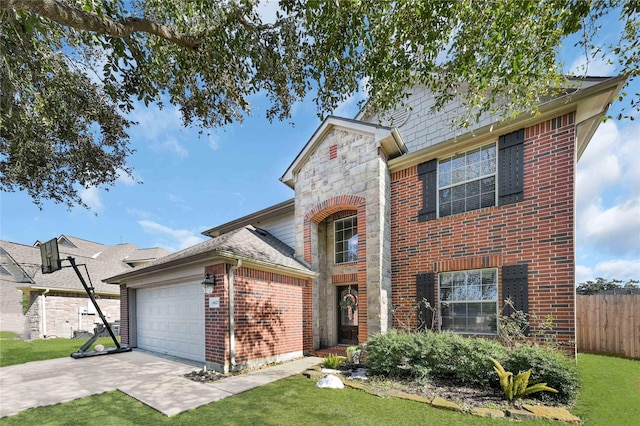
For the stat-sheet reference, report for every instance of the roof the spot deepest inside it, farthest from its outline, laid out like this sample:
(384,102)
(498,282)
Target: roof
(22,264)
(589,97)
(285,207)
(254,246)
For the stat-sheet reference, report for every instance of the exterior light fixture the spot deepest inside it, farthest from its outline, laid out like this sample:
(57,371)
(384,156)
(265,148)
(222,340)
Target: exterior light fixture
(208,283)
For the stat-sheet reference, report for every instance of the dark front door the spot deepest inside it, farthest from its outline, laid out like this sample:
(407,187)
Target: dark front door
(347,315)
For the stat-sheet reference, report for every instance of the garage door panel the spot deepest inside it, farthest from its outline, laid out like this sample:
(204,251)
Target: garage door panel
(171,320)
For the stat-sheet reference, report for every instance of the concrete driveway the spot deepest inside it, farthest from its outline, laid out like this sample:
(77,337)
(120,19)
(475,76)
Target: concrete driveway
(155,381)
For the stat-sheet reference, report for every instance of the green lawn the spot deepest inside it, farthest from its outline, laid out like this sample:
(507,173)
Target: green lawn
(16,351)
(610,396)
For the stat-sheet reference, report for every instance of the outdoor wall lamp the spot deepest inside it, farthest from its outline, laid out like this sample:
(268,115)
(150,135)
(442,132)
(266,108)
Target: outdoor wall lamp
(208,283)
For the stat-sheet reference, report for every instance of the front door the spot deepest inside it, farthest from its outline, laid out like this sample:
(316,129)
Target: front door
(347,315)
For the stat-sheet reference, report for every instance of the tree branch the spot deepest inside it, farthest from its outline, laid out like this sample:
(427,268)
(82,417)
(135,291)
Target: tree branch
(81,20)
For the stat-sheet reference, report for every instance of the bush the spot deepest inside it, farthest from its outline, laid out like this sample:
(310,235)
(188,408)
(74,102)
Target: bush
(466,360)
(333,361)
(433,355)
(548,365)
(387,354)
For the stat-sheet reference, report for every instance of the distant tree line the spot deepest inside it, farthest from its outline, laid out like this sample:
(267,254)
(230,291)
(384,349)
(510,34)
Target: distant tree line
(600,285)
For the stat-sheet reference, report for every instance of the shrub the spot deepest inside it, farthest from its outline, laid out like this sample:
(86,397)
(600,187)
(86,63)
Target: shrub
(333,361)
(517,387)
(387,354)
(463,359)
(433,355)
(548,365)
(466,360)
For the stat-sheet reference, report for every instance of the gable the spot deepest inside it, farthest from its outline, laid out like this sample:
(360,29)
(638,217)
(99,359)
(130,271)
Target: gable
(385,138)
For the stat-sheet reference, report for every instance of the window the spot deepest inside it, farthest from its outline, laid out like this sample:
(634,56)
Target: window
(467,181)
(346,239)
(482,177)
(469,301)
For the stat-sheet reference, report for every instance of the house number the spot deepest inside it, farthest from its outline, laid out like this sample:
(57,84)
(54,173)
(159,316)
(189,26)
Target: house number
(214,302)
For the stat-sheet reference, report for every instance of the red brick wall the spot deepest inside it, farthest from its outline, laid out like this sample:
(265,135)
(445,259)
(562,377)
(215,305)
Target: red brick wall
(538,230)
(268,316)
(216,320)
(268,320)
(124,315)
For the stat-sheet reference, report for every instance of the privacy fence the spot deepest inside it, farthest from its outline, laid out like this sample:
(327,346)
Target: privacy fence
(609,324)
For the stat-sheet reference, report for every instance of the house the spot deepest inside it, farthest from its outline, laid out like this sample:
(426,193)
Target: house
(389,212)
(39,305)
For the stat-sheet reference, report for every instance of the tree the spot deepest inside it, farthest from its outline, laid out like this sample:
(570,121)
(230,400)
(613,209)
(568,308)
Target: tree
(73,69)
(600,285)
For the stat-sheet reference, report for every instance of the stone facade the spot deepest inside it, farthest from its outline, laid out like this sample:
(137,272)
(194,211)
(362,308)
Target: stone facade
(346,172)
(57,314)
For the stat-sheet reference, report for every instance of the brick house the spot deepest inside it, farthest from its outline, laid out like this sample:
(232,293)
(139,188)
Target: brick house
(388,211)
(56,305)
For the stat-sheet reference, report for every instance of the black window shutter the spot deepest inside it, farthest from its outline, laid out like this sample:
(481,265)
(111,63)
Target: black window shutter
(427,173)
(515,286)
(510,167)
(425,290)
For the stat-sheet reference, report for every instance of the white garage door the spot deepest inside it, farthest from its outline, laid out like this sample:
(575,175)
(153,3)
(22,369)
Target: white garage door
(171,320)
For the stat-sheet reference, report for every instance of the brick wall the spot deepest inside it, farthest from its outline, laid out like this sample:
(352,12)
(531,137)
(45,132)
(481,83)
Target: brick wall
(538,230)
(268,317)
(124,315)
(268,320)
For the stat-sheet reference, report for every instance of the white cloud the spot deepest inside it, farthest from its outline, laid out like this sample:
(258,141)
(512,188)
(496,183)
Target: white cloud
(213,141)
(171,146)
(267,10)
(175,198)
(240,198)
(143,214)
(623,270)
(178,239)
(583,274)
(608,193)
(615,230)
(585,64)
(91,197)
(154,122)
(126,179)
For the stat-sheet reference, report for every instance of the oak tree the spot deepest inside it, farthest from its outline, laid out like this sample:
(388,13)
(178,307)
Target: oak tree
(72,70)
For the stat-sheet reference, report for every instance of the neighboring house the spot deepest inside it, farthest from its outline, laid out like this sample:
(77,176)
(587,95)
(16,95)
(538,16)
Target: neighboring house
(57,304)
(388,212)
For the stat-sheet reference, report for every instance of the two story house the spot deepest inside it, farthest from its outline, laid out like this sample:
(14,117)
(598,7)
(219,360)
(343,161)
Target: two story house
(398,220)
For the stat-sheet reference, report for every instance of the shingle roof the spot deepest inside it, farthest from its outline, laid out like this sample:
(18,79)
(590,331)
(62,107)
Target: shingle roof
(101,261)
(247,242)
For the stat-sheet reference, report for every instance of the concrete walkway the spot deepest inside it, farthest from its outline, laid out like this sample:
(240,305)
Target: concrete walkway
(155,381)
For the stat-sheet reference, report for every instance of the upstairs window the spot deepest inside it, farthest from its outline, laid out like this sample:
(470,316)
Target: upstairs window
(346,240)
(467,181)
(479,178)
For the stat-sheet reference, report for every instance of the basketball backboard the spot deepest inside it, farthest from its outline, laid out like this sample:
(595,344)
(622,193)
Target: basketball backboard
(50,256)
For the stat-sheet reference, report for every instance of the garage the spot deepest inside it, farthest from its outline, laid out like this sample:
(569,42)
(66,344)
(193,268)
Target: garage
(170,320)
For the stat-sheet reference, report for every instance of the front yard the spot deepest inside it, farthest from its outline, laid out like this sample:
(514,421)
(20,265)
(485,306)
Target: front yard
(609,396)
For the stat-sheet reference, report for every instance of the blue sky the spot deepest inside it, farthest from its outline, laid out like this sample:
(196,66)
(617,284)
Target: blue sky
(192,183)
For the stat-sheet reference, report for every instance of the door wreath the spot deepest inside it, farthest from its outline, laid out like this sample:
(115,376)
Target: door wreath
(350,302)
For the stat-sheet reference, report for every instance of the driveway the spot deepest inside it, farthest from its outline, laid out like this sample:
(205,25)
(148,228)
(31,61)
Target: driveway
(155,381)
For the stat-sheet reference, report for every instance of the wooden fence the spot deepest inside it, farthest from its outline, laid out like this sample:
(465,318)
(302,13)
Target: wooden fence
(609,323)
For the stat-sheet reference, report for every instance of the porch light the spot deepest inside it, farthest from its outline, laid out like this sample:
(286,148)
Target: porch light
(208,283)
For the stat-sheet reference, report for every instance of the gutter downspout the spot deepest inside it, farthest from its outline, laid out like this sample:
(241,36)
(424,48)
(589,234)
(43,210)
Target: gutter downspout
(232,332)
(44,313)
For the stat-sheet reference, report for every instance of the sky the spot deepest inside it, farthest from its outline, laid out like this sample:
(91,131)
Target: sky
(191,183)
